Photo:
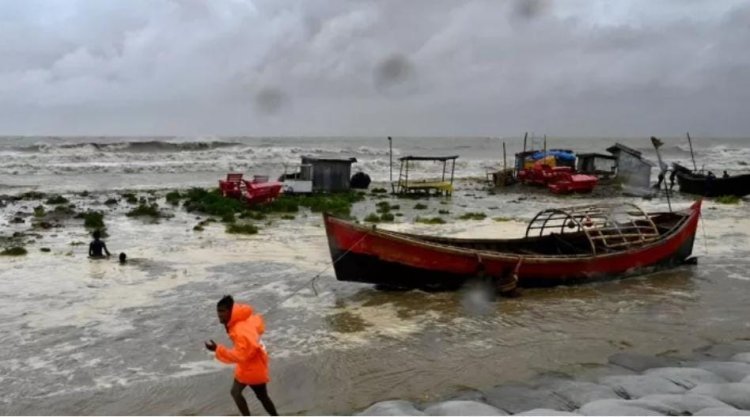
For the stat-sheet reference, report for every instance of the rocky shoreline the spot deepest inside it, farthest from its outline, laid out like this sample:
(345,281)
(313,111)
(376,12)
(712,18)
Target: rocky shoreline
(714,380)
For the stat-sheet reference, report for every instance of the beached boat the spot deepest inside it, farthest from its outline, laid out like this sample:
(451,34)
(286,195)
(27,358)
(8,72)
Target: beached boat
(561,246)
(711,186)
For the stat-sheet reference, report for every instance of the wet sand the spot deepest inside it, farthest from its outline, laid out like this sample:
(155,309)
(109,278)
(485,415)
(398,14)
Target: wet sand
(102,338)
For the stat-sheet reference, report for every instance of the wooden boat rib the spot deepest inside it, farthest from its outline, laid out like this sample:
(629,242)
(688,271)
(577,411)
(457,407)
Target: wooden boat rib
(562,246)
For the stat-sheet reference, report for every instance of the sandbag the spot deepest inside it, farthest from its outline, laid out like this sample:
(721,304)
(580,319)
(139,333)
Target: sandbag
(731,371)
(736,394)
(687,378)
(637,386)
(615,408)
(722,411)
(546,412)
(392,408)
(516,398)
(463,408)
(686,403)
(578,393)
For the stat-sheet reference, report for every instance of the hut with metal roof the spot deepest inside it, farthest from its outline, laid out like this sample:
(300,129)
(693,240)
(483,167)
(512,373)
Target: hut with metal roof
(329,174)
(633,171)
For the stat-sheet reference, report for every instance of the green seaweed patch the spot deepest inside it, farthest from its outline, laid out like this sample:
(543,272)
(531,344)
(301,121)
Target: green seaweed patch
(288,217)
(502,219)
(77,243)
(42,225)
(45,249)
(254,215)
(378,191)
(200,226)
(32,195)
(14,251)
(57,199)
(92,219)
(399,214)
(242,228)
(372,218)
(444,212)
(336,203)
(429,220)
(111,202)
(473,216)
(131,198)
(340,203)
(64,210)
(728,199)
(173,197)
(145,210)
(387,217)
(283,204)
(420,206)
(39,211)
(212,203)
(347,322)
(84,193)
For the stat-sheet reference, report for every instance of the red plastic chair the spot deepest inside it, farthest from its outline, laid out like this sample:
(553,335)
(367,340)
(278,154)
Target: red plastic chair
(231,187)
(261,192)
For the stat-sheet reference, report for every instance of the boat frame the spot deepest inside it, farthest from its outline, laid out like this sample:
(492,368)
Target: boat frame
(394,259)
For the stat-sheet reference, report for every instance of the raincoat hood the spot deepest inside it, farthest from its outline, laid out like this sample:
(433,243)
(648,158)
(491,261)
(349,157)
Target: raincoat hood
(240,312)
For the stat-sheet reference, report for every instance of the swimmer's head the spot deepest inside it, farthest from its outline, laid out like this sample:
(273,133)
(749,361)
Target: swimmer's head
(123,257)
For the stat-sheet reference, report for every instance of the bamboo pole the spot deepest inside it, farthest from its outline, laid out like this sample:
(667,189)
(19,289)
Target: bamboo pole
(692,155)
(505,163)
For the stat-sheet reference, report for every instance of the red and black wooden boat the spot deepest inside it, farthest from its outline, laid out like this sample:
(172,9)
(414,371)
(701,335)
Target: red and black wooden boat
(561,246)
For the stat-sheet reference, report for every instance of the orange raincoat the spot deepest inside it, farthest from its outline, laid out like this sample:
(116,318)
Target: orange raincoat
(249,353)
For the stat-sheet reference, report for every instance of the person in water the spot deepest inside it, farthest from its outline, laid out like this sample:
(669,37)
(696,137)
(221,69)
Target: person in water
(123,257)
(249,354)
(726,175)
(97,246)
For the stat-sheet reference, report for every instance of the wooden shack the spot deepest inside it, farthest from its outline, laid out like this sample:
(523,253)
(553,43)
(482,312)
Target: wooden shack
(329,174)
(633,170)
(599,164)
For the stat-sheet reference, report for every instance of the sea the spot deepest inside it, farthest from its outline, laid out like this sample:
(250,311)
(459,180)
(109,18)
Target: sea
(88,336)
(112,163)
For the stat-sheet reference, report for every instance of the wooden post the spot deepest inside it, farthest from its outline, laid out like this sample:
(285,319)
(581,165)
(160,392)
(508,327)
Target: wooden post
(545,144)
(390,152)
(505,164)
(692,155)
(525,135)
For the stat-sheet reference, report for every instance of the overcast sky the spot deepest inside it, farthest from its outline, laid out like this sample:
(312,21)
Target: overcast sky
(356,67)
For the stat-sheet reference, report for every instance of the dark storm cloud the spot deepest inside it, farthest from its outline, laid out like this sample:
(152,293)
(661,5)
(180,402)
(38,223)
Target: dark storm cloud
(309,67)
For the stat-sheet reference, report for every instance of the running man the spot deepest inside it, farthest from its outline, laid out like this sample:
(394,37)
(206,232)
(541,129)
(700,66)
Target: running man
(249,353)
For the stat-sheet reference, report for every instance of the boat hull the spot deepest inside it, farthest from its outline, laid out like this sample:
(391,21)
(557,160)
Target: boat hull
(713,187)
(367,255)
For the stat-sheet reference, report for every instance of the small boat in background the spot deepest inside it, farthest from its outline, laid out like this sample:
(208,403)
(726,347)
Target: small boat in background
(561,246)
(709,185)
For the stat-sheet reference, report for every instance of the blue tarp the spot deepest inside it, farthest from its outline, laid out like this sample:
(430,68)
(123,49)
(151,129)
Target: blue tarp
(560,155)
